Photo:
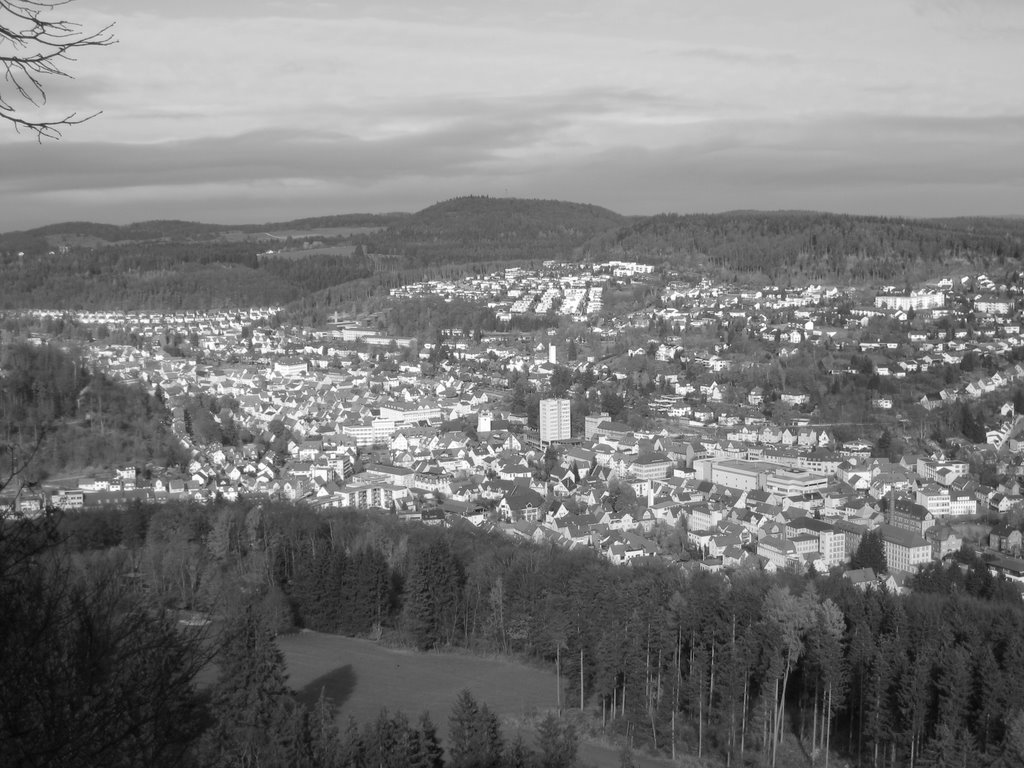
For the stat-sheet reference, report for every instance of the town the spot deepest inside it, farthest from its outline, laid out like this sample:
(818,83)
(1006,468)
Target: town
(649,417)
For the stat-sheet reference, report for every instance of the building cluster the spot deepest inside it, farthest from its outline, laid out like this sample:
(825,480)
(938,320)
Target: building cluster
(344,416)
(573,290)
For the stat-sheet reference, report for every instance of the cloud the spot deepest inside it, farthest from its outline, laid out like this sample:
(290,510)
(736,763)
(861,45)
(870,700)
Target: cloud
(857,163)
(649,106)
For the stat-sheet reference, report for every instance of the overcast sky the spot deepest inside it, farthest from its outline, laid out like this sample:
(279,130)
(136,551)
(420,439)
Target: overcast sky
(255,110)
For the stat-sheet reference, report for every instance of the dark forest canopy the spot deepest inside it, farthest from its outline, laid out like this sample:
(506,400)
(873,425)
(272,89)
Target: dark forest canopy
(38,239)
(68,417)
(788,246)
(727,666)
(185,265)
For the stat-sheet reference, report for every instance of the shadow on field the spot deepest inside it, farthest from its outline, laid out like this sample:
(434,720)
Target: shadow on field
(337,685)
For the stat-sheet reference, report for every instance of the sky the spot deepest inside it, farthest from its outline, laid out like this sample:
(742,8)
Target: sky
(246,111)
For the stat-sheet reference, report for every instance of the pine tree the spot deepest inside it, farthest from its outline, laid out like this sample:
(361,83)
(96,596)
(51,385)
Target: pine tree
(940,751)
(353,747)
(462,725)
(517,755)
(987,696)
(327,750)
(365,592)
(433,595)
(475,734)
(426,752)
(1012,753)
(318,590)
(870,553)
(558,743)
(954,686)
(256,718)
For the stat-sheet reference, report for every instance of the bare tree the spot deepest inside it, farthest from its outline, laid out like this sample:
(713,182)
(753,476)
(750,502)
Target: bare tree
(36,45)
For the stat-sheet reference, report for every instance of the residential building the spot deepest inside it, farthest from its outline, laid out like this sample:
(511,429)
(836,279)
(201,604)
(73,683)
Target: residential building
(904,550)
(555,420)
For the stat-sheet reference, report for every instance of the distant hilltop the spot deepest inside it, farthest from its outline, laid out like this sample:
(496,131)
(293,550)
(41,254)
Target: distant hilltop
(172,265)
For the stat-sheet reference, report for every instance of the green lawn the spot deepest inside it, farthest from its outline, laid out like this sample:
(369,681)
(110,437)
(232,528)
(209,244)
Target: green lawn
(361,677)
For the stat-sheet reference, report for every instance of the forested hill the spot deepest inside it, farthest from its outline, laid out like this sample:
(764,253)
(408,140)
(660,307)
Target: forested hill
(471,229)
(41,240)
(326,261)
(171,265)
(67,417)
(801,246)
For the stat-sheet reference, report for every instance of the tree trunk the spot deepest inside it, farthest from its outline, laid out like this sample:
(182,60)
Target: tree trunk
(675,692)
(558,678)
(658,686)
(743,716)
(780,714)
(711,682)
(654,730)
(814,723)
(828,723)
(700,716)
(673,735)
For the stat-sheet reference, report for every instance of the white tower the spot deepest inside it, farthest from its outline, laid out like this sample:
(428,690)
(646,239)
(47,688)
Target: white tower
(483,422)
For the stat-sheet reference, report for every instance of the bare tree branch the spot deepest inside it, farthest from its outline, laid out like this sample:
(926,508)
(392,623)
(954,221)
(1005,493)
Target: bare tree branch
(37,44)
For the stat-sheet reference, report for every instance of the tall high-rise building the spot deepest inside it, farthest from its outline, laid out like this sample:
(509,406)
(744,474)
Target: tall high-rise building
(555,420)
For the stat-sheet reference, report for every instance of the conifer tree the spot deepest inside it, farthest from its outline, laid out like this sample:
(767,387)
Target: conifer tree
(1012,752)
(517,755)
(870,553)
(433,595)
(558,743)
(426,750)
(256,718)
(475,734)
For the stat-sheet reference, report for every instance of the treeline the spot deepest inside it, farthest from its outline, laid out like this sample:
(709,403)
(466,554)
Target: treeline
(63,416)
(796,246)
(93,673)
(181,265)
(33,242)
(733,667)
(171,276)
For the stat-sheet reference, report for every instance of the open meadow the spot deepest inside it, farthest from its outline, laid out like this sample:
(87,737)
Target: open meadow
(361,676)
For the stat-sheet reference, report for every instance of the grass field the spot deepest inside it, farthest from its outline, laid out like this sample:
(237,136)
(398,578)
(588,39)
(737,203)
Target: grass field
(361,677)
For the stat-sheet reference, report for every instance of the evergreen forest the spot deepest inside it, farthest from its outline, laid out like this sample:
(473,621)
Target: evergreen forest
(728,669)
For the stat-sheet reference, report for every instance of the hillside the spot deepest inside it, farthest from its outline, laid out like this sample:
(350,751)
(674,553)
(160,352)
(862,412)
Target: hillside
(473,229)
(324,262)
(801,246)
(183,265)
(41,240)
(69,418)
